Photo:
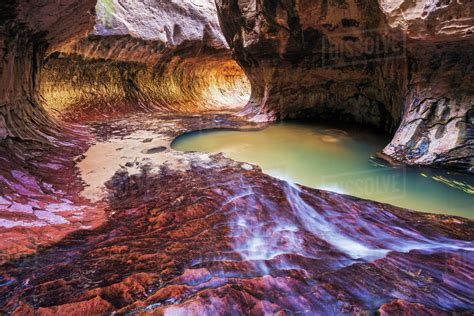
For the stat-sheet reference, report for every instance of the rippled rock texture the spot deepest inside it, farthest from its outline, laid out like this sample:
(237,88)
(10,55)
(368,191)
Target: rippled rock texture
(27,32)
(154,56)
(39,201)
(176,232)
(93,71)
(220,236)
(391,64)
(77,90)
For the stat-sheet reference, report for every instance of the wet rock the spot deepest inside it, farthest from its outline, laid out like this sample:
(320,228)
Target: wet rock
(399,66)
(44,188)
(246,166)
(217,241)
(212,235)
(216,237)
(155,150)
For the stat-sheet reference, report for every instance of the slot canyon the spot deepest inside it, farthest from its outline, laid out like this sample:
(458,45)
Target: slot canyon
(236,157)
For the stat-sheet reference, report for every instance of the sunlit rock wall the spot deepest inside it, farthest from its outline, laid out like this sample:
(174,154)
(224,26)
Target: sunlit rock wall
(369,62)
(158,56)
(78,89)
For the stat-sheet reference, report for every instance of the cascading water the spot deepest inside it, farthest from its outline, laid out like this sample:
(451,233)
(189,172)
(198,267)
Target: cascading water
(296,229)
(261,233)
(104,217)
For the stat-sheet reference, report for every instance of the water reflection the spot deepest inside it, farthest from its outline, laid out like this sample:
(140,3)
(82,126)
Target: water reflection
(339,160)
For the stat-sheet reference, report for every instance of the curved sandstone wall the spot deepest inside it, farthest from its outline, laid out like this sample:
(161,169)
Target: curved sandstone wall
(40,72)
(400,66)
(27,31)
(78,89)
(157,56)
(37,176)
(405,68)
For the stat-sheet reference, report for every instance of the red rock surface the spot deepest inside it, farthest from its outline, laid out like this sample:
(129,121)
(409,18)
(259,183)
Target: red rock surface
(219,238)
(38,186)
(39,192)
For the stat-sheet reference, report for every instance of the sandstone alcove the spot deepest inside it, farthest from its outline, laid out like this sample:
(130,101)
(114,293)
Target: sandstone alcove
(101,212)
(186,85)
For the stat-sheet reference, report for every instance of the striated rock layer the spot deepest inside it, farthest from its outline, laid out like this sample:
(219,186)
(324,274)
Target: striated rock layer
(39,202)
(390,64)
(197,233)
(158,56)
(27,31)
(221,237)
(78,89)
(437,127)
(39,187)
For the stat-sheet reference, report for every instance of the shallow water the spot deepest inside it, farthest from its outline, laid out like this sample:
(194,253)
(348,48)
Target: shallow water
(339,160)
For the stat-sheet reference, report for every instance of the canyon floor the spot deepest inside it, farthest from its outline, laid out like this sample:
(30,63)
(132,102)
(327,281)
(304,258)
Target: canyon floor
(143,229)
(100,215)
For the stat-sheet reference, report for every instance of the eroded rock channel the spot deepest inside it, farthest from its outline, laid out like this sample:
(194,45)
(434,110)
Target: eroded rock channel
(100,215)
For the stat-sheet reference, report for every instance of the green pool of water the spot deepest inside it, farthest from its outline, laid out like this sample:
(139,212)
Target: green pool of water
(339,160)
